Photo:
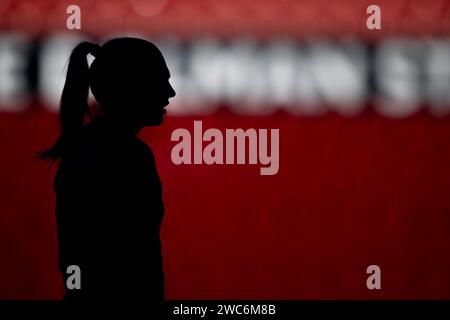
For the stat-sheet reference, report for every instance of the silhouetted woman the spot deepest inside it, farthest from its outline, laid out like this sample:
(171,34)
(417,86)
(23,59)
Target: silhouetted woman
(108,194)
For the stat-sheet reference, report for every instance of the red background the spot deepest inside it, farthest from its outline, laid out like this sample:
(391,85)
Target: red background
(350,192)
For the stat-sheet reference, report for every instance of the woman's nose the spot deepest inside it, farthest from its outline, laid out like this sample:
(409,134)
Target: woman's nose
(172,92)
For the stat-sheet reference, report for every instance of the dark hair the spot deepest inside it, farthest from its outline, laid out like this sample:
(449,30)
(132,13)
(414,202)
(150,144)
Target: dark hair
(74,100)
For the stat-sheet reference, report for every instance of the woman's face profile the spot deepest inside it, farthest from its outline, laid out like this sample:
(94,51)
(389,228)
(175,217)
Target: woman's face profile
(147,94)
(134,82)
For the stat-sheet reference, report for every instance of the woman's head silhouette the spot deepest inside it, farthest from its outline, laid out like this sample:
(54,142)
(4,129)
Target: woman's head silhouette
(131,72)
(128,78)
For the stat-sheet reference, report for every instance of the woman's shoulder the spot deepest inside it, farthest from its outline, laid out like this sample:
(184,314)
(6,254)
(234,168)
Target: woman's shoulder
(143,146)
(145,150)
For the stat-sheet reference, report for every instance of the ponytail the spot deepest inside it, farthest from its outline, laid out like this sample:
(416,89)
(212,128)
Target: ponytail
(74,101)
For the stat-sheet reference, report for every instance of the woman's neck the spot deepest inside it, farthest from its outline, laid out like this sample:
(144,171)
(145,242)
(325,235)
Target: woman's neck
(118,126)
